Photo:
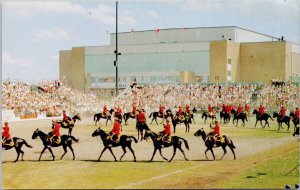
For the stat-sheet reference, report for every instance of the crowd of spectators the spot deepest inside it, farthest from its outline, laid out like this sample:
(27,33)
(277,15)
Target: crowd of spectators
(52,97)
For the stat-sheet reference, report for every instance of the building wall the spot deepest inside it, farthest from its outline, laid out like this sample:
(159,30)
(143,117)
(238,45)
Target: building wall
(233,52)
(218,60)
(78,68)
(65,58)
(243,35)
(295,65)
(262,61)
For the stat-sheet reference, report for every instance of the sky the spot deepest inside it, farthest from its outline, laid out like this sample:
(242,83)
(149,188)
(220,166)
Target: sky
(33,32)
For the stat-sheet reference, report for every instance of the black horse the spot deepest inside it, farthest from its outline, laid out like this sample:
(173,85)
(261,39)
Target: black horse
(140,128)
(98,116)
(205,115)
(66,141)
(242,116)
(156,114)
(210,143)
(70,125)
(159,144)
(125,141)
(295,120)
(263,117)
(128,115)
(17,144)
(280,120)
(176,120)
(296,132)
(225,115)
(190,115)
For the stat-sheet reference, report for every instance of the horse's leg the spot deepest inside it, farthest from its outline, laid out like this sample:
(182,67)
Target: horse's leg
(255,123)
(18,150)
(232,150)
(49,148)
(174,128)
(124,150)
(106,122)
(102,153)
(70,147)
(174,152)
(155,149)
(42,153)
(142,134)
(70,131)
(162,155)
(206,152)
(224,149)
(109,148)
(182,152)
(134,158)
(211,150)
(65,149)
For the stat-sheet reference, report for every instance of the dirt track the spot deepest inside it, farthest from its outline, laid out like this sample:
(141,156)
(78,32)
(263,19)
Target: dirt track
(89,148)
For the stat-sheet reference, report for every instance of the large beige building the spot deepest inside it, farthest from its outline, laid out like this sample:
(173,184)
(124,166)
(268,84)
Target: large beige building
(182,55)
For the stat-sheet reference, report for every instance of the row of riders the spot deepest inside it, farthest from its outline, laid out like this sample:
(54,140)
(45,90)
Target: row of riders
(114,138)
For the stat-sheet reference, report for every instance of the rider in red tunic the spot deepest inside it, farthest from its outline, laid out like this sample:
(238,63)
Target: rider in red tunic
(115,133)
(180,114)
(247,108)
(187,109)
(297,113)
(239,109)
(6,140)
(133,110)
(165,135)
(55,133)
(210,110)
(162,111)
(282,112)
(216,131)
(105,111)
(261,110)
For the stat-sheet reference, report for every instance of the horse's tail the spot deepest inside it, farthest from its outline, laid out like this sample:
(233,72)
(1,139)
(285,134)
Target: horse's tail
(132,137)
(229,142)
(26,144)
(95,117)
(185,143)
(150,114)
(74,139)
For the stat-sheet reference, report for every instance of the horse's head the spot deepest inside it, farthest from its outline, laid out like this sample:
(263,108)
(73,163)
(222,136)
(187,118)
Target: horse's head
(97,132)
(254,111)
(77,116)
(292,114)
(35,134)
(111,110)
(275,114)
(199,132)
(148,133)
(194,109)
(233,111)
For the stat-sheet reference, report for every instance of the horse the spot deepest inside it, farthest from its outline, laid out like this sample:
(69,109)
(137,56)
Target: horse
(295,120)
(70,125)
(225,115)
(264,117)
(66,141)
(156,114)
(280,120)
(128,115)
(17,144)
(205,115)
(191,115)
(296,132)
(140,128)
(210,144)
(176,121)
(98,116)
(125,141)
(242,116)
(159,144)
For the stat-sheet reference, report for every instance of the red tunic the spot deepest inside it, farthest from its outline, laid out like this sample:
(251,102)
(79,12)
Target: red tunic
(210,108)
(161,109)
(167,129)
(104,109)
(261,110)
(283,111)
(228,108)
(116,128)
(119,111)
(133,109)
(187,109)
(217,129)
(180,112)
(65,117)
(240,109)
(141,117)
(247,107)
(223,107)
(297,113)
(5,132)
(56,129)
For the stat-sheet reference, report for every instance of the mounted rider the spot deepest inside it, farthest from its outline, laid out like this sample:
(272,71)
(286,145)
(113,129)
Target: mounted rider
(134,110)
(115,133)
(180,115)
(247,108)
(141,118)
(187,110)
(54,136)
(297,114)
(210,110)
(6,140)
(216,132)
(261,110)
(282,112)
(66,119)
(105,112)
(239,109)
(162,111)
(165,135)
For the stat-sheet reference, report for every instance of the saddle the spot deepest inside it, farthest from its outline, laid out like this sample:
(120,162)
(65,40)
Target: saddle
(181,118)
(114,138)
(7,142)
(217,138)
(54,139)
(133,114)
(164,138)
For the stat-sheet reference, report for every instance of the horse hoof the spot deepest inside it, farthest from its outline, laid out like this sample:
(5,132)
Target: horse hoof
(134,160)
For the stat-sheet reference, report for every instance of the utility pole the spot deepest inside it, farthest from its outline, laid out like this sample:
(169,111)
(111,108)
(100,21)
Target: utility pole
(116,51)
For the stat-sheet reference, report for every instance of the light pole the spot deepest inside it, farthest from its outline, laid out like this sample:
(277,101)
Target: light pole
(116,51)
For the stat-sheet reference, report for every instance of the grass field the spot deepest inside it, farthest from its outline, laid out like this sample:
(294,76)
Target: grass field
(264,156)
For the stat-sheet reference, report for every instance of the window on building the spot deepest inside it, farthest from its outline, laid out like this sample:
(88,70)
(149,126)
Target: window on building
(228,69)
(217,77)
